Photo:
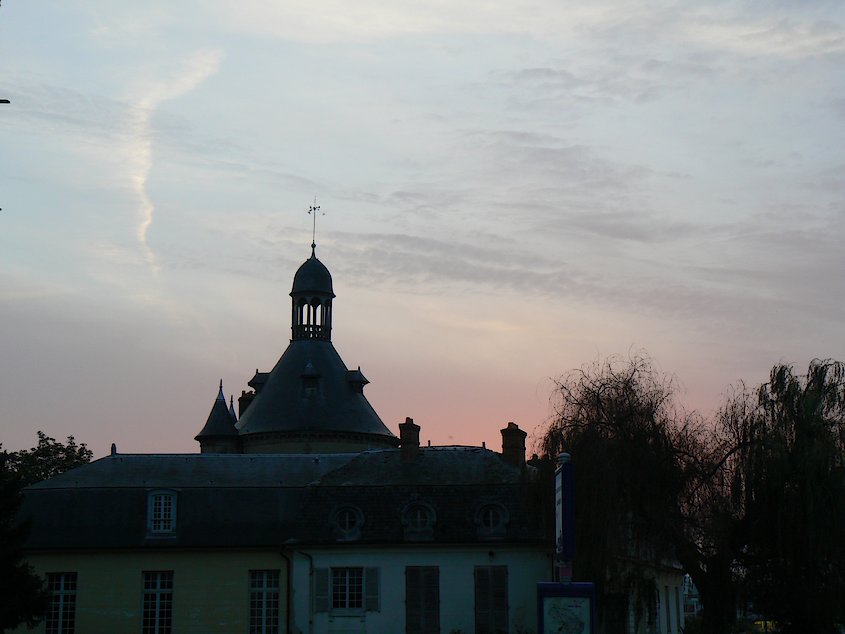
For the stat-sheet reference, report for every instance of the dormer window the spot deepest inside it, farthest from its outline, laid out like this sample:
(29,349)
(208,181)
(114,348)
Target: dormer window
(418,519)
(310,380)
(491,521)
(346,523)
(161,512)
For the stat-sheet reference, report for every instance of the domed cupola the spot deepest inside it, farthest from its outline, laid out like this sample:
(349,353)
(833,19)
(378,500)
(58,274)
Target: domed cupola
(311,305)
(310,402)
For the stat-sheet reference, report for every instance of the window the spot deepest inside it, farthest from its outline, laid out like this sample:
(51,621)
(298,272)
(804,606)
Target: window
(346,523)
(263,602)
(418,521)
(422,600)
(158,602)
(161,512)
(61,613)
(491,521)
(346,590)
(491,599)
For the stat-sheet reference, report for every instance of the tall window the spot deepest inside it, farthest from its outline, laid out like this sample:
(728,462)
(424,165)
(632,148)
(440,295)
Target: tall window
(491,600)
(422,600)
(263,602)
(347,588)
(61,614)
(161,512)
(158,602)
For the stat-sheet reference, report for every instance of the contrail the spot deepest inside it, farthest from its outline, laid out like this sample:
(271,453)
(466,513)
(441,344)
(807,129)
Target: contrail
(193,72)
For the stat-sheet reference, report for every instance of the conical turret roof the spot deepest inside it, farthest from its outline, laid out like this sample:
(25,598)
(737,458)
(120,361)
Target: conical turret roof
(220,422)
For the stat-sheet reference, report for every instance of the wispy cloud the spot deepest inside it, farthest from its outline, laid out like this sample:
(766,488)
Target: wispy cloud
(190,74)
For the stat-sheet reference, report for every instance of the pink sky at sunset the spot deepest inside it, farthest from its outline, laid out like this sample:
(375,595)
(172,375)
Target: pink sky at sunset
(508,193)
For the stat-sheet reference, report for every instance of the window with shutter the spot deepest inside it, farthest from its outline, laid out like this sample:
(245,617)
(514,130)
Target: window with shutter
(422,600)
(346,590)
(491,600)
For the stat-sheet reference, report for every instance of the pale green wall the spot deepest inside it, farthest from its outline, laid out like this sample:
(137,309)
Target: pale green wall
(210,588)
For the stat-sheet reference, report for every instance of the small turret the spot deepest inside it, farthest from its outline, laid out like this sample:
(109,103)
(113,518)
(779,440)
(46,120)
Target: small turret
(232,409)
(219,434)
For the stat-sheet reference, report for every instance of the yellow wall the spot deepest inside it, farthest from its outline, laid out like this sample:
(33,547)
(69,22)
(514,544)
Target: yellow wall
(210,588)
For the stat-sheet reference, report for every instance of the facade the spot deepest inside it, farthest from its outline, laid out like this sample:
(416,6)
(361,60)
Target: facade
(306,515)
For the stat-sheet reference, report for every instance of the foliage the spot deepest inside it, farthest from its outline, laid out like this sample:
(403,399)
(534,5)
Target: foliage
(619,421)
(751,505)
(47,459)
(24,596)
(794,481)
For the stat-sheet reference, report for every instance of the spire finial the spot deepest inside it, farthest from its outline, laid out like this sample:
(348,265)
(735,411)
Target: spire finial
(313,211)
(220,395)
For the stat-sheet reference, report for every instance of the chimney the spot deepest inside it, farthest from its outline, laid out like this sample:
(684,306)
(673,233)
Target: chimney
(513,445)
(244,400)
(409,439)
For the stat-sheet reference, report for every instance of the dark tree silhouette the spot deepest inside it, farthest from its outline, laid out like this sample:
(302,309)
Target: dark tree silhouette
(620,422)
(48,458)
(24,595)
(752,505)
(25,598)
(794,488)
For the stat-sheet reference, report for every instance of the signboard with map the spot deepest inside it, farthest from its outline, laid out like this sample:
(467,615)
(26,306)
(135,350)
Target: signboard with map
(566,608)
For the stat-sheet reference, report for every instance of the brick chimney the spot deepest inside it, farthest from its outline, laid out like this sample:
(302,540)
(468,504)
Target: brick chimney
(409,439)
(513,445)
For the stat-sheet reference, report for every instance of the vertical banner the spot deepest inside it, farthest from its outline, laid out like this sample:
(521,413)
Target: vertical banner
(565,509)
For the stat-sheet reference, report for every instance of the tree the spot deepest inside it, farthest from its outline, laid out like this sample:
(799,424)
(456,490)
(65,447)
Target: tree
(620,422)
(24,595)
(794,477)
(752,505)
(25,599)
(48,458)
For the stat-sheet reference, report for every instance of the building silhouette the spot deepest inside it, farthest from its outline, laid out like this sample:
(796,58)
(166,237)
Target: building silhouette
(306,515)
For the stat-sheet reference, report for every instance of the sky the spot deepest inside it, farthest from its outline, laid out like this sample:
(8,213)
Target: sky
(510,190)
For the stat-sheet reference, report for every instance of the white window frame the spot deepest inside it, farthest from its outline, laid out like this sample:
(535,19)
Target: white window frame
(161,512)
(264,601)
(350,581)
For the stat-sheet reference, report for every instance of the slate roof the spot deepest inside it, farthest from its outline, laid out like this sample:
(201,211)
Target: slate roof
(198,470)
(284,405)
(254,500)
(221,420)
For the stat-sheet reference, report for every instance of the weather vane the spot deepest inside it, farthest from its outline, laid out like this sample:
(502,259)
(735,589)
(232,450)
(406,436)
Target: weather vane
(314,211)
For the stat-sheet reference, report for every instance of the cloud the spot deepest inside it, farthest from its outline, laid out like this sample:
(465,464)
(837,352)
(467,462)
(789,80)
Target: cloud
(190,74)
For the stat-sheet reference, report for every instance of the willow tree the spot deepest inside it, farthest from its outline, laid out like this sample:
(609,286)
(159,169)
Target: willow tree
(620,421)
(794,487)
